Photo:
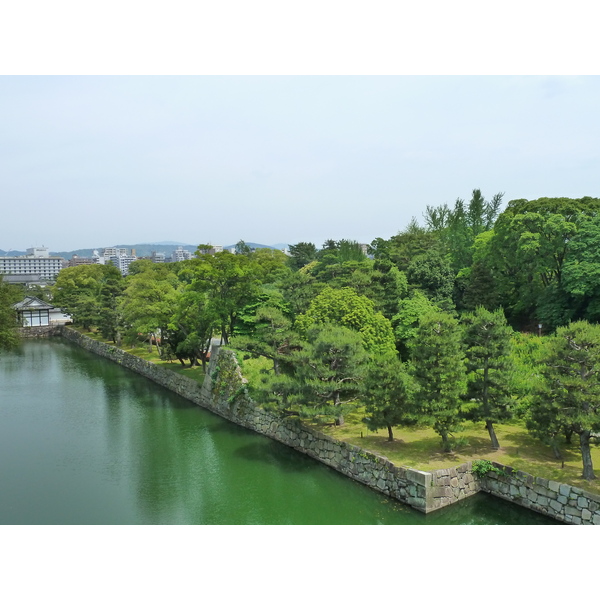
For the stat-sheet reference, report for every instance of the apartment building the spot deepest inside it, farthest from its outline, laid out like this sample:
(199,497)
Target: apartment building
(37,261)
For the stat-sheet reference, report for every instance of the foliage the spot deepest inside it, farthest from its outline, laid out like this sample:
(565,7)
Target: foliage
(301,254)
(8,322)
(569,398)
(78,291)
(481,468)
(438,366)
(388,395)
(432,274)
(344,307)
(322,379)
(489,395)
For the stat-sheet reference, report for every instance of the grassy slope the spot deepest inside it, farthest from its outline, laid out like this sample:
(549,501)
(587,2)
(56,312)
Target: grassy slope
(143,351)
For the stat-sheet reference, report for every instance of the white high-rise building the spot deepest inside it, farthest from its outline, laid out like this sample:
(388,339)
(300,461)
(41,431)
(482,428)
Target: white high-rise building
(180,254)
(38,261)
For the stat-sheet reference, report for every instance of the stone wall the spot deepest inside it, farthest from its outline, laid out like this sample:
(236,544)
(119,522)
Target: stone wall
(224,393)
(561,501)
(43,331)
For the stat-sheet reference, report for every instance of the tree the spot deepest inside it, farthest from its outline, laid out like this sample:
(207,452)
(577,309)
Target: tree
(387,396)
(8,320)
(344,307)
(242,248)
(570,394)
(406,321)
(529,252)
(488,398)
(458,227)
(78,291)
(330,371)
(301,254)
(148,303)
(272,337)
(438,365)
(230,281)
(431,273)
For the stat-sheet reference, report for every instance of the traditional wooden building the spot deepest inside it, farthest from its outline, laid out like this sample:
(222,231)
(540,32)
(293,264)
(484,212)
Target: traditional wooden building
(33,312)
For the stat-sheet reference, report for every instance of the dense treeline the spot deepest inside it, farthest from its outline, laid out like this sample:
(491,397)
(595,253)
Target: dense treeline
(435,326)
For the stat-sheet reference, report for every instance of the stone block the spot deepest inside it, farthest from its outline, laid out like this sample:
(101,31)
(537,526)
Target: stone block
(593,506)
(542,501)
(570,510)
(596,519)
(557,506)
(582,502)
(454,482)
(564,489)
(531,495)
(586,515)
(563,500)
(420,477)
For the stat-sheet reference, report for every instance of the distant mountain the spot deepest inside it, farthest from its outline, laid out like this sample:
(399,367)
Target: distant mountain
(254,245)
(164,244)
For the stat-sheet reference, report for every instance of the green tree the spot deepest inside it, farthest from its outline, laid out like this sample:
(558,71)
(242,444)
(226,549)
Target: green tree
(406,320)
(272,337)
(148,303)
(432,274)
(488,398)
(8,320)
(344,307)
(388,394)
(78,291)
(438,363)
(459,227)
(570,395)
(230,281)
(301,254)
(413,241)
(529,252)
(330,371)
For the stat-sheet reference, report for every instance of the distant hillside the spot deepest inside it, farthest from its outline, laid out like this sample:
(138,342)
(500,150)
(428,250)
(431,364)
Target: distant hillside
(254,245)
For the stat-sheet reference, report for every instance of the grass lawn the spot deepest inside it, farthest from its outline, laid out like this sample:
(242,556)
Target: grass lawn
(143,351)
(420,448)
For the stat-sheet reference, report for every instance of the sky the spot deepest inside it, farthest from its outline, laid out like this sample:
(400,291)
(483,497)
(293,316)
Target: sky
(93,161)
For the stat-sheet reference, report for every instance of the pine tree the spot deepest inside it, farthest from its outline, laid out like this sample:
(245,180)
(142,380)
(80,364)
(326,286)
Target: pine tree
(487,340)
(438,362)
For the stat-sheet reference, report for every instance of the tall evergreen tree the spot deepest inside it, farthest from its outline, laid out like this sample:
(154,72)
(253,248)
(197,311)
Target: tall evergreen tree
(488,398)
(388,394)
(570,396)
(438,363)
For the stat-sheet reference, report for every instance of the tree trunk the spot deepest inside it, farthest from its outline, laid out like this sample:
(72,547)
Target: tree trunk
(445,442)
(554,446)
(339,419)
(568,435)
(490,427)
(588,467)
(390,434)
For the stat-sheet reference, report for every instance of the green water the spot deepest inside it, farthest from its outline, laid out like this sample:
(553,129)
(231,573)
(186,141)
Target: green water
(84,441)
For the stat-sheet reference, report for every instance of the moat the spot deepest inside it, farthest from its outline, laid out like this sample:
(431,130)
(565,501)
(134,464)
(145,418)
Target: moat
(85,441)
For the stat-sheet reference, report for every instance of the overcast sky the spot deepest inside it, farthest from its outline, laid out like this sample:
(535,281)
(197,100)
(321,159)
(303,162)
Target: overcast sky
(96,161)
